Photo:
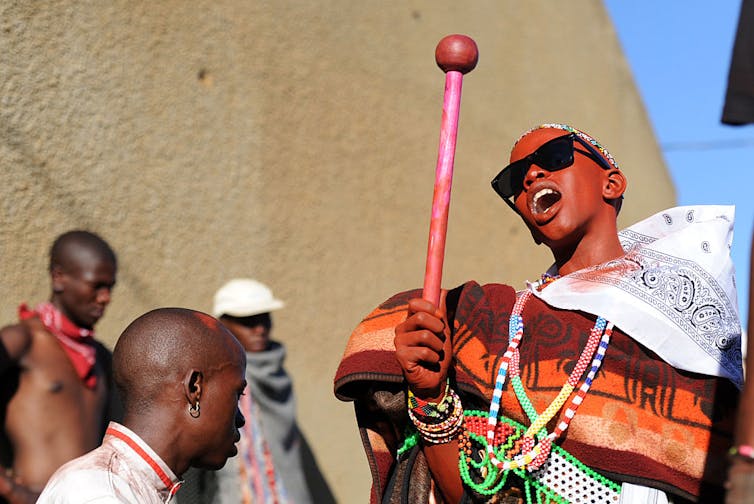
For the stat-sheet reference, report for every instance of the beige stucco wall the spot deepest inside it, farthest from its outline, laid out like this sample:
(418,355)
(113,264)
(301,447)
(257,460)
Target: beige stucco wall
(294,141)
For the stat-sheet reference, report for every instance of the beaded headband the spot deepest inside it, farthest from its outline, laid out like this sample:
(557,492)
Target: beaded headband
(610,159)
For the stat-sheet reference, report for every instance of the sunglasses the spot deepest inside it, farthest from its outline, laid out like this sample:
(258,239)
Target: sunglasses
(553,155)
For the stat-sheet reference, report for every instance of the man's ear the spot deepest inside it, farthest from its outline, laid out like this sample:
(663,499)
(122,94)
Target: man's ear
(192,386)
(615,184)
(58,279)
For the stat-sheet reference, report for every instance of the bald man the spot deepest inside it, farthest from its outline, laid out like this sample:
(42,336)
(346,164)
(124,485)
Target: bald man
(180,374)
(51,367)
(612,379)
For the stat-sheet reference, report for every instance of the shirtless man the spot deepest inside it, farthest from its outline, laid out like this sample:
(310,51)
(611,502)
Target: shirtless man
(180,374)
(54,377)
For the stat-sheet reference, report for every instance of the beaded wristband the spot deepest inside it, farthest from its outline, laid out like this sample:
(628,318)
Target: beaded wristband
(447,429)
(429,411)
(745,452)
(444,423)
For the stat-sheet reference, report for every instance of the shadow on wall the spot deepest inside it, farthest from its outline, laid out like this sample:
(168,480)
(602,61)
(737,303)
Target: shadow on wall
(320,490)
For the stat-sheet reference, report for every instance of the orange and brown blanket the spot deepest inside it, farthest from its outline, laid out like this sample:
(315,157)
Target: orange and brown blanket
(642,422)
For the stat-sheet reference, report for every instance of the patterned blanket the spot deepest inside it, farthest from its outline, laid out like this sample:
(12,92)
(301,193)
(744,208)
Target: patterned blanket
(643,421)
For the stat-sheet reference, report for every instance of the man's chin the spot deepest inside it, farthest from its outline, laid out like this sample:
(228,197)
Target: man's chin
(216,466)
(212,461)
(233,452)
(258,345)
(87,322)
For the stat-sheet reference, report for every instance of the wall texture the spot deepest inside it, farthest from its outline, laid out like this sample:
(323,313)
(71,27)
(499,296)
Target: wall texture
(293,141)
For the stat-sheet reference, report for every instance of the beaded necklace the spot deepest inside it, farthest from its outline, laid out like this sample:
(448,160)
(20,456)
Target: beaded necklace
(562,480)
(532,455)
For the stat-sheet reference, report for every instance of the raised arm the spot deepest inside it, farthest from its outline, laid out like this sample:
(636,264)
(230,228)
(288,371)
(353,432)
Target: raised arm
(424,352)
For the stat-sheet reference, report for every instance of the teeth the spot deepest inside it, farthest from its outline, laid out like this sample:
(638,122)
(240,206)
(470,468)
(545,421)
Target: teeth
(540,193)
(543,200)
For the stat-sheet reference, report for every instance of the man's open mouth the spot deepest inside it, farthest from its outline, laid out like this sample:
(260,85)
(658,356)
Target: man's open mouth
(543,200)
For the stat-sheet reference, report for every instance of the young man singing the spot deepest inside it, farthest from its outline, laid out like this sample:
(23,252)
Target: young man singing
(612,379)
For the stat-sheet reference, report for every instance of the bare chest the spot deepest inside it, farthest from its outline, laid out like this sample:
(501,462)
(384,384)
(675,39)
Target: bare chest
(49,387)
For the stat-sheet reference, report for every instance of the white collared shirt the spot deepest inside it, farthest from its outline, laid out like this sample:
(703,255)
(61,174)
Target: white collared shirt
(124,469)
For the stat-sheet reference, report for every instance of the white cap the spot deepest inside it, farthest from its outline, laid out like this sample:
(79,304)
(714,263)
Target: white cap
(244,297)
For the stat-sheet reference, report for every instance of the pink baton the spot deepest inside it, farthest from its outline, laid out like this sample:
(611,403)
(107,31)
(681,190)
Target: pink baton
(456,55)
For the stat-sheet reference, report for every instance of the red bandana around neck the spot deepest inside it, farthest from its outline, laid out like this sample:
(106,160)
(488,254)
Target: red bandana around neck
(76,341)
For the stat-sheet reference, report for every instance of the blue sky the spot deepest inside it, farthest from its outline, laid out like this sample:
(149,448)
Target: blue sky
(679,53)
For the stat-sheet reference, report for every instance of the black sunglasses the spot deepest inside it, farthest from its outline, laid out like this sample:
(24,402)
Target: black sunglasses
(553,155)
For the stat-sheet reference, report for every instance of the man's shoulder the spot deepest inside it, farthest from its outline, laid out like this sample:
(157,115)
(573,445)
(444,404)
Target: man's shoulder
(88,478)
(17,328)
(16,339)
(471,293)
(82,485)
(464,289)
(27,338)
(31,327)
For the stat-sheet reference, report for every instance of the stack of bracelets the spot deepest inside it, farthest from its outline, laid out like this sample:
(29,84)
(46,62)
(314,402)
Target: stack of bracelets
(437,423)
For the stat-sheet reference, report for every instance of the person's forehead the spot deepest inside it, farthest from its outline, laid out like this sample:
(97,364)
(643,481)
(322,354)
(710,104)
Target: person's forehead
(250,320)
(85,258)
(533,140)
(94,268)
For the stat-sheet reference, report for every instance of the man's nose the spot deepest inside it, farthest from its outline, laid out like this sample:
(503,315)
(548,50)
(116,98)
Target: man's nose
(103,295)
(534,173)
(240,420)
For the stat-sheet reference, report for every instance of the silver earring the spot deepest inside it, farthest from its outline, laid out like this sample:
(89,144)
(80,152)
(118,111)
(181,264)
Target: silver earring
(194,409)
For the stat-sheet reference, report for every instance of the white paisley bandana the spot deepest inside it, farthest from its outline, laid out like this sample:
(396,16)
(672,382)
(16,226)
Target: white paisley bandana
(674,291)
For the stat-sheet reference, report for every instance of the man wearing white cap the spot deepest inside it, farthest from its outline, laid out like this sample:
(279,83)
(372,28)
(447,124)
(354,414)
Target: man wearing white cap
(268,467)
(244,306)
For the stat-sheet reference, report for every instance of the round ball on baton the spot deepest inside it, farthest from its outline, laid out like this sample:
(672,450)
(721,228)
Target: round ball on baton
(457,52)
